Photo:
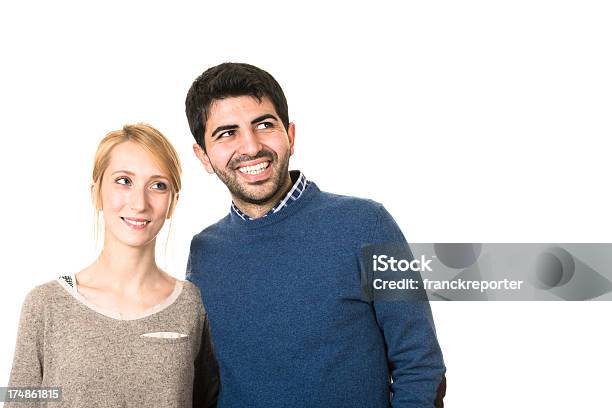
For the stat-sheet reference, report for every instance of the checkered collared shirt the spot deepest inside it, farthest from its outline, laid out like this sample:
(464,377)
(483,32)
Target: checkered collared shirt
(296,191)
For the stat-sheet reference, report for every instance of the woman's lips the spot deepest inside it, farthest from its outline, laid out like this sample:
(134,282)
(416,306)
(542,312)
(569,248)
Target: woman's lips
(135,223)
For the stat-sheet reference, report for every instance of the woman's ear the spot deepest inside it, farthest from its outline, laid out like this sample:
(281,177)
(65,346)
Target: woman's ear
(172,206)
(95,197)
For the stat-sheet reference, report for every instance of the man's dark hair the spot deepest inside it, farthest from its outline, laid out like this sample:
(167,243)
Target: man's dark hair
(230,80)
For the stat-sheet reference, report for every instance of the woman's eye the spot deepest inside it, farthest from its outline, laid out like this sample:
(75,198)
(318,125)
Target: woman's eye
(123,180)
(159,186)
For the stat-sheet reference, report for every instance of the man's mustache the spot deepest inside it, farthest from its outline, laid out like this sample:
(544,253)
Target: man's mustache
(263,154)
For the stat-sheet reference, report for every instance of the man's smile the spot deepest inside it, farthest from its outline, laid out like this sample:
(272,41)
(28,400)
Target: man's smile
(254,168)
(255,171)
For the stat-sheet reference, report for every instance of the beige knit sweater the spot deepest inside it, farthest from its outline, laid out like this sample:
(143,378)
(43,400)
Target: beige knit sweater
(162,358)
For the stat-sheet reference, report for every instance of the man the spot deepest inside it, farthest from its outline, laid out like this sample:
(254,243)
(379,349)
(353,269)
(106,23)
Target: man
(279,275)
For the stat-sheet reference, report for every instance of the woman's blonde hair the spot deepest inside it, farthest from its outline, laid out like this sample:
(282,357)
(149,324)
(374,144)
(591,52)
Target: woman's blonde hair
(148,138)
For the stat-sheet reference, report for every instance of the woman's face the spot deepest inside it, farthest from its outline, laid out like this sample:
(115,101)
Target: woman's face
(136,196)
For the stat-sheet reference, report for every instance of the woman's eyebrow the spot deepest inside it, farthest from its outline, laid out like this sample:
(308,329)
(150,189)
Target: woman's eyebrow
(131,173)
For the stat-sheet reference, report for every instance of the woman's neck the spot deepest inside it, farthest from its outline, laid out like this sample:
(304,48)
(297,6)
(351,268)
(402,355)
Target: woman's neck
(122,268)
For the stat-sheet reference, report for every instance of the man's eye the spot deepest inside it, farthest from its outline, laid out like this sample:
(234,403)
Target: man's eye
(264,125)
(123,180)
(159,186)
(226,134)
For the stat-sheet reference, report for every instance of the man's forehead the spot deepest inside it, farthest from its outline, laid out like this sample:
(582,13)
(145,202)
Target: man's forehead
(238,108)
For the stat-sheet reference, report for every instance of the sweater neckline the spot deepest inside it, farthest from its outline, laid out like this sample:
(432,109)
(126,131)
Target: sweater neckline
(270,219)
(73,291)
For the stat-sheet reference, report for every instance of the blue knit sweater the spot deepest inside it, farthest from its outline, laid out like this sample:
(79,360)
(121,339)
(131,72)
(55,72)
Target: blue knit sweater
(288,321)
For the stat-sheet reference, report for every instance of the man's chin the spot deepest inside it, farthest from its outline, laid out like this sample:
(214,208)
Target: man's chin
(255,198)
(255,192)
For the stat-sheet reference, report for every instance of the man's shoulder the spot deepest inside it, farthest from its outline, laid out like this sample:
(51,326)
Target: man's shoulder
(359,215)
(349,205)
(212,230)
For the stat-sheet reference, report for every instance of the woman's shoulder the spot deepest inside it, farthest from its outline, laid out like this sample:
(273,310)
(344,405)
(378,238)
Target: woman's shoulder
(191,292)
(44,292)
(191,296)
(40,296)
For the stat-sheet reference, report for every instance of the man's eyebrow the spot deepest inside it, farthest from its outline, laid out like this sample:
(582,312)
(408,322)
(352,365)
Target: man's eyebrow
(263,117)
(256,120)
(131,173)
(224,127)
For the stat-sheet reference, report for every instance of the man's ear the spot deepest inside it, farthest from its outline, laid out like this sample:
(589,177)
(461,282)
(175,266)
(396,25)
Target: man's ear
(291,134)
(203,158)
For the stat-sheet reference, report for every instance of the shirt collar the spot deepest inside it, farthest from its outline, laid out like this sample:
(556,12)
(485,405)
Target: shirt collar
(299,186)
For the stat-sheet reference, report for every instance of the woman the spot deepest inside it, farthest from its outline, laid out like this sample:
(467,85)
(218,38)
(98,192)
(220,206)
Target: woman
(121,332)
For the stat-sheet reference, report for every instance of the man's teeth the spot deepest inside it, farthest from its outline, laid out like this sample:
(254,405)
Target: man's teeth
(256,169)
(136,223)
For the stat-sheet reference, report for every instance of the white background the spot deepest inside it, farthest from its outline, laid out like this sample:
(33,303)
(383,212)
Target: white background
(471,121)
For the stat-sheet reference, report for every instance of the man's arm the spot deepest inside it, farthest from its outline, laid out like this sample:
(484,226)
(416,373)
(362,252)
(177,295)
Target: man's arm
(413,353)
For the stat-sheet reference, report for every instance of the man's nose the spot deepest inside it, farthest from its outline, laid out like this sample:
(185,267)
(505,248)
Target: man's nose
(249,143)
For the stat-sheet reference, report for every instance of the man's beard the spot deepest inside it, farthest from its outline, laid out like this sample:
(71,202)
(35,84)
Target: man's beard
(241,191)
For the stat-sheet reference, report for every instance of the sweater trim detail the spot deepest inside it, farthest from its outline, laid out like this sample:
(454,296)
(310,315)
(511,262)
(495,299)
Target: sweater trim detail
(72,289)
